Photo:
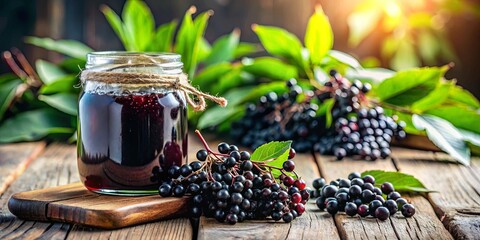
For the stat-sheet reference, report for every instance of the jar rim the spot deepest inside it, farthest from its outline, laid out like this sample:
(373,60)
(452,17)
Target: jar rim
(166,59)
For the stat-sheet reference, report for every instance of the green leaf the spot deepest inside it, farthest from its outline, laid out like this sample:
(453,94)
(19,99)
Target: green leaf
(460,116)
(262,89)
(7,94)
(70,48)
(117,26)
(236,95)
(280,43)
(204,50)
(138,24)
(231,80)
(271,68)
(345,59)
(209,75)
(216,115)
(34,125)
(65,102)
(244,49)
(407,87)
(434,98)
(62,85)
(200,24)
(444,135)
(318,36)
(270,151)
(189,37)
(163,38)
(49,72)
(223,49)
(461,95)
(401,181)
(73,65)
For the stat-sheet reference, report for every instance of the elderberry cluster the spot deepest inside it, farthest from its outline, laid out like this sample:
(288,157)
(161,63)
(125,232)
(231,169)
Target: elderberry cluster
(359,128)
(230,187)
(357,195)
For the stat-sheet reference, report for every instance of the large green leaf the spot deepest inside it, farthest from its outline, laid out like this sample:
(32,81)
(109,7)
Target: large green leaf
(270,151)
(204,49)
(62,85)
(7,94)
(117,26)
(138,24)
(461,95)
(280,43)
(444,135)
(434,98)
(199,24)
(245,49)
(34,125)
(262,89)
(402,182)
(70,48)
(65,102)
(407,87)
(231,80)
(460,116)
(189,37)
(209,75)
(271,68)
(319,36)
(216,115)
(163,38)
(73,65)
(49,72)
(223,49)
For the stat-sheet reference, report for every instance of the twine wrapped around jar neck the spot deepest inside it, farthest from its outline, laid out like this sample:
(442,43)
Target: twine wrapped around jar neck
(175,81)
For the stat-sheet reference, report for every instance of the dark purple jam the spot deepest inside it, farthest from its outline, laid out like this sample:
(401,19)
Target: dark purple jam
(123,138)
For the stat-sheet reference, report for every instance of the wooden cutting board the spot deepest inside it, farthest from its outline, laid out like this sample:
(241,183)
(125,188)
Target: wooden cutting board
(73,203)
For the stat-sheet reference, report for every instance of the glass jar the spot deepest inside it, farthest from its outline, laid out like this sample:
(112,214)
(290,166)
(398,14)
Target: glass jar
(130,132)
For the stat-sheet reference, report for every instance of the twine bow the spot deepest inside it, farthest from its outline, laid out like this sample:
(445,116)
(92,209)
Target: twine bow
(179,82)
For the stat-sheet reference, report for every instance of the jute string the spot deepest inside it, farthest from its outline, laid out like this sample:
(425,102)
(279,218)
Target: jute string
(178,82)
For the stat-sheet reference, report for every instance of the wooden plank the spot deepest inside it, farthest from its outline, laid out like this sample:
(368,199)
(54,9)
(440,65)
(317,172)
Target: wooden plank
(171,229)
(423,225)
(73,203)
(457,202)
(57,166)
(14,158)
(311,225)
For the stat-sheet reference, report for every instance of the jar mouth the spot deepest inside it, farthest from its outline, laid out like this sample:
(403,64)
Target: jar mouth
(161,59)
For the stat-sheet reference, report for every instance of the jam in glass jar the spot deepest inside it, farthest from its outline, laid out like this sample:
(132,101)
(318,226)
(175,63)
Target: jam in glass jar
(131,129)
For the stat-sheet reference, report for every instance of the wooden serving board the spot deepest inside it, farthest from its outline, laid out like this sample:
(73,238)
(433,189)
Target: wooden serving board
(73,203)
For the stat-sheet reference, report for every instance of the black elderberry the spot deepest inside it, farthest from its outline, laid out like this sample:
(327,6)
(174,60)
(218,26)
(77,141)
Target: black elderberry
(373,206)
(332,207)
(318,183)
(382,213)
(223,148)
(394,195)
(354,175)
(408,210)
(391,205)
(185,170)
(351,209)
(165,190)
(387,188)
(400,202)
(363,210)
(202,155)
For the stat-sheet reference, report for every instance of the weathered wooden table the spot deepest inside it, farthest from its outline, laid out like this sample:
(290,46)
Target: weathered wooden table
(452,212)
